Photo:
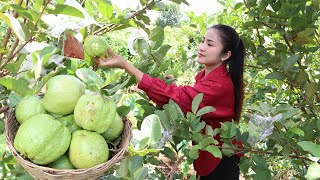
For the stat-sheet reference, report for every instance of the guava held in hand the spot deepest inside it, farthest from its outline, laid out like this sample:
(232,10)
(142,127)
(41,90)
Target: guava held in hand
(62,94)
(95,46)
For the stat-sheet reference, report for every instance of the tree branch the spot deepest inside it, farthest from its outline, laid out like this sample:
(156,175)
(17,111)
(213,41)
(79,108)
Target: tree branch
(4,109)
(113,26)
(174,168)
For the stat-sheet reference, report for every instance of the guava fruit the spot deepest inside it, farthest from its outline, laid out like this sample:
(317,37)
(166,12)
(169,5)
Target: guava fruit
(28,107)
(62,94)
(87,149)
(69,122)
(62,163)
(94,112)
(95,46)
(42,139)
(115,130)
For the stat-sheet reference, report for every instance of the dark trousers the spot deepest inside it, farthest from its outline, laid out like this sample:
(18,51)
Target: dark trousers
(228,169)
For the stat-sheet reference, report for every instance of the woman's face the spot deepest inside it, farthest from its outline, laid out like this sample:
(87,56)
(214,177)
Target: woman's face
(209,50)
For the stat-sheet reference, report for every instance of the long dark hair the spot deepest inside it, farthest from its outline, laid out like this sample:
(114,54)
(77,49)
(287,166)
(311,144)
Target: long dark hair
(231,42)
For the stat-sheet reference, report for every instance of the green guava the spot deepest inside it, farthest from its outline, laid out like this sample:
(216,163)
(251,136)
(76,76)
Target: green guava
(28,107)
(115,130)
(87,149)
(95,46)
(69,122)
(62,163)
(42,139)
(94,112)
(62,94)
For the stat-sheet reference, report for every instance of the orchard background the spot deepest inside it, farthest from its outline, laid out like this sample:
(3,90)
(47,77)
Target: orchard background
(280,124)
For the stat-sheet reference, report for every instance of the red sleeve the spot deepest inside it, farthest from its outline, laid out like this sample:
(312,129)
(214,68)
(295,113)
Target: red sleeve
(160,92)
(216,94)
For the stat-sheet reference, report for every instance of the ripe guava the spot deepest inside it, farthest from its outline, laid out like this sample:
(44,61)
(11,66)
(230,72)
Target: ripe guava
(28,107)
(87,149)
(62,94)
(62,163)
(94,112)
(42,139)
(95,46)
(115,130)
(69,122)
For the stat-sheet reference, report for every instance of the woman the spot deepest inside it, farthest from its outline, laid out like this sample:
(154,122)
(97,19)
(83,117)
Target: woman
(222,87)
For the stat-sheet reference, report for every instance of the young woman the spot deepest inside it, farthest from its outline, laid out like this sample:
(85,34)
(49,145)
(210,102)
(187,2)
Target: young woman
(221,51)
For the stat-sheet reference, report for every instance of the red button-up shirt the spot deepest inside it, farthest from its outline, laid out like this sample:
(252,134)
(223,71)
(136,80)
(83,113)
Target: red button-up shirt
(218,92)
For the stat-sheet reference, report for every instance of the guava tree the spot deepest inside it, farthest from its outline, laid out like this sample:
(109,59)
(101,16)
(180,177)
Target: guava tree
(281,113)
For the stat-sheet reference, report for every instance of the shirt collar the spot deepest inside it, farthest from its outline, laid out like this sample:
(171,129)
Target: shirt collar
(215,73)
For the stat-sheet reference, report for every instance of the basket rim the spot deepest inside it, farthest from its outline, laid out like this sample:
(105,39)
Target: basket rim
(116,157)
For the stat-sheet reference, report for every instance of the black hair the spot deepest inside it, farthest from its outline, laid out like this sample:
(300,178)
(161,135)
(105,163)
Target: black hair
(232,42)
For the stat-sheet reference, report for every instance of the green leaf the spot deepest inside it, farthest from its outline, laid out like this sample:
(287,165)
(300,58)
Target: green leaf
(157,36)
(311,147)
(142,144)
(15,66)
(151,127)
(265,107)
(168,152)
(207,141)
(14,99)
(289,63)
(91,79)
(205,110)
(238,5)
(209,130)
(171,113)
(45,78)
(67,10)
(20,30)
(227,149)
(164,119)
(122,171)
(196,102)
(214,150)
(177,108)
(311,89)
(1,127)
(20,86)
(260,168)
(296,130)
(275,75)
(141,173)
(290,113)
(135,163)
(3,145)
(127,82)
(194,152)
(313,172)
(22,11)
(199,126)
(106,10)
(160,6)
(244,164)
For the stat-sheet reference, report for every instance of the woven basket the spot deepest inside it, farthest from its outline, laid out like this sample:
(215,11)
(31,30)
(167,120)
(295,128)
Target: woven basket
(46,173)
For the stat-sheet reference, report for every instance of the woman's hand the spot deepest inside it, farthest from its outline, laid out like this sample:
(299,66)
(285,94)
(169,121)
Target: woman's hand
(113,61)
(116,61)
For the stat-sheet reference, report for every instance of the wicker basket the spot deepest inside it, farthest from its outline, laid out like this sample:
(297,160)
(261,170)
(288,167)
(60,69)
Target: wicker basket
(46,173)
